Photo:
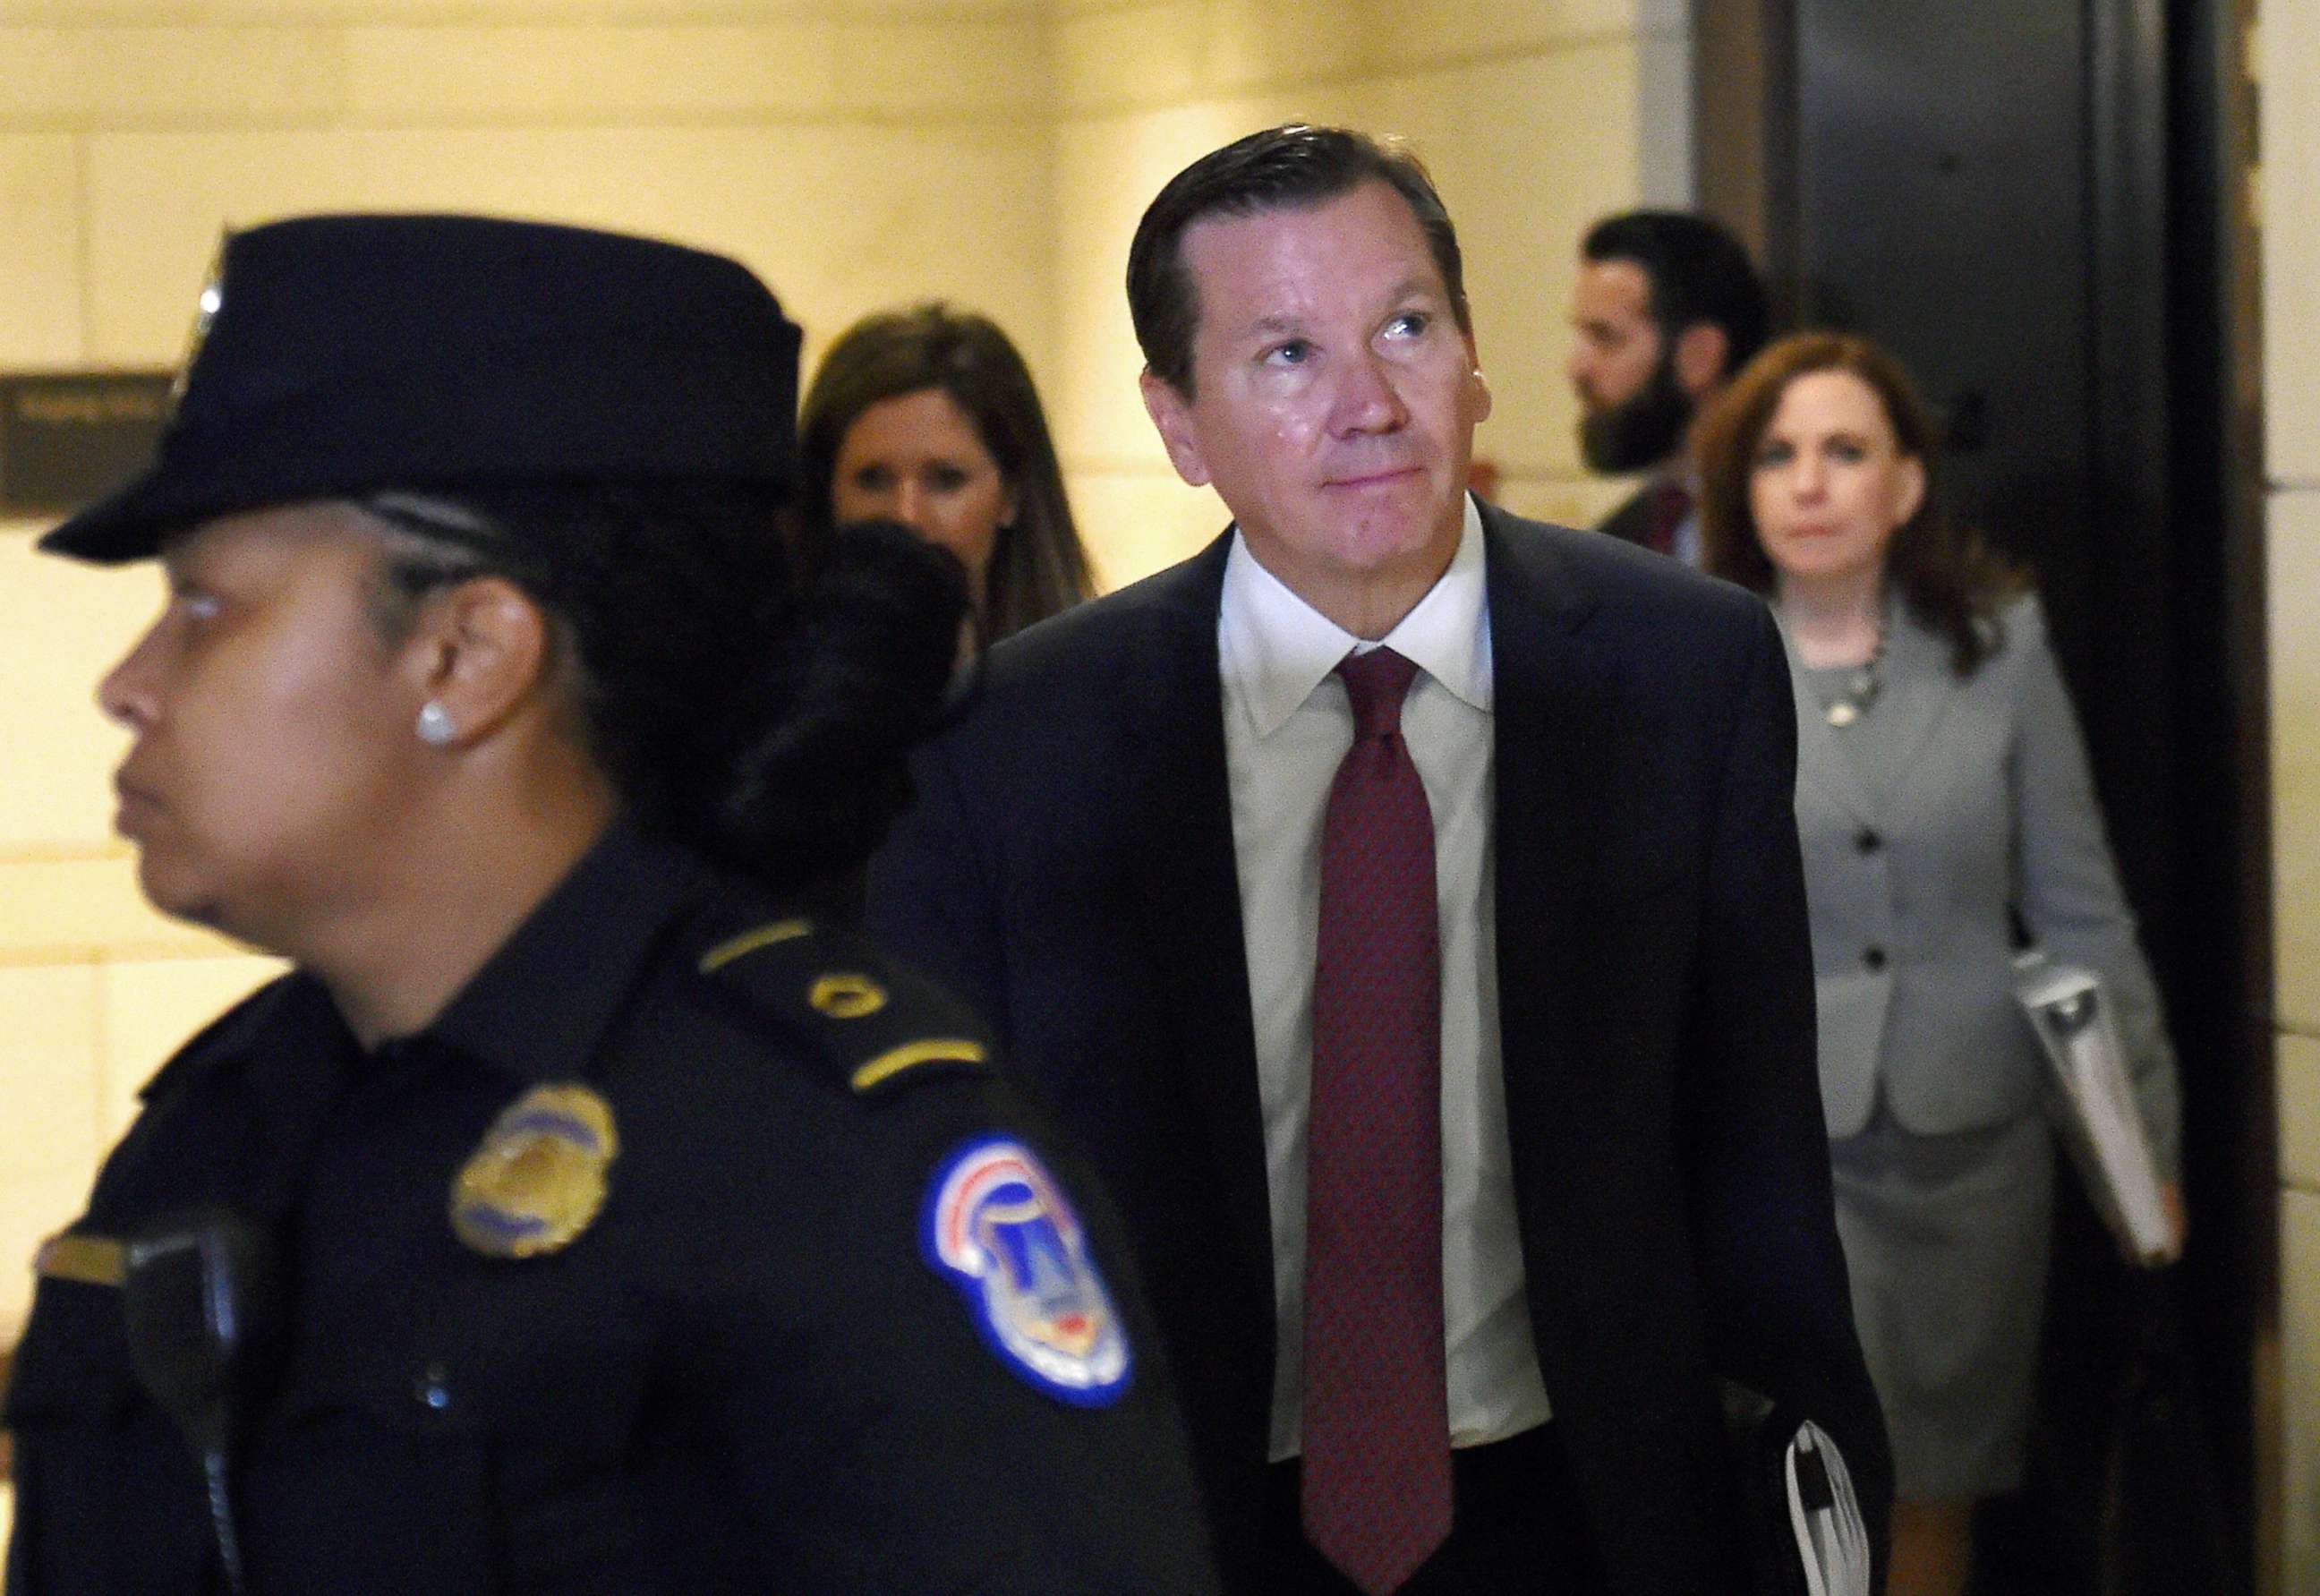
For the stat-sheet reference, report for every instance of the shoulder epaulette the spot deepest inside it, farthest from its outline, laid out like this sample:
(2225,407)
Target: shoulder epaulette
(877,1026)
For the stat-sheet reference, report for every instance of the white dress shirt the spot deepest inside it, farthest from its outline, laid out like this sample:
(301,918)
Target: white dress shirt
(1287,726)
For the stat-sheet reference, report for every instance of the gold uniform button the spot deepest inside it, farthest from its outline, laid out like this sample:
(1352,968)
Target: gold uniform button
(846,996)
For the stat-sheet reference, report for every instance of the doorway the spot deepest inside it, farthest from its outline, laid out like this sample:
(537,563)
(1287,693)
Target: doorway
(2036,205)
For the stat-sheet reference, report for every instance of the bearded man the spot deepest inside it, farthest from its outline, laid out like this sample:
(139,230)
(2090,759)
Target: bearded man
(1667,311)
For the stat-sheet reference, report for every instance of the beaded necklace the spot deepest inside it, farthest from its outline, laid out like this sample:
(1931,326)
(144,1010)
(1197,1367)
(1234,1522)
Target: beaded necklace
(1860,688)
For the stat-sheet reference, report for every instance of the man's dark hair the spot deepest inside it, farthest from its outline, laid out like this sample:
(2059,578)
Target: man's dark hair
(1280,168)
(1697,272)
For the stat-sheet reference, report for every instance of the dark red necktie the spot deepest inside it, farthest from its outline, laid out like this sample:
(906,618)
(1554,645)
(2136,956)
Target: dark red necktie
(1376,1409)
(1670,502)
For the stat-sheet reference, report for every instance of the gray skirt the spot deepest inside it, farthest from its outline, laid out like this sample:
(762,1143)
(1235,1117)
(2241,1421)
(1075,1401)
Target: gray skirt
(1946,1239)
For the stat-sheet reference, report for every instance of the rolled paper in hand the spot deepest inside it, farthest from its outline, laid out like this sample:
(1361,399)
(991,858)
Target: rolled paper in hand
(2095,1102)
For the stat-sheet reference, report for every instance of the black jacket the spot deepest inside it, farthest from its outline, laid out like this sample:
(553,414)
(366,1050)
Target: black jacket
(1631,523)
(748,1372)
(1069,869)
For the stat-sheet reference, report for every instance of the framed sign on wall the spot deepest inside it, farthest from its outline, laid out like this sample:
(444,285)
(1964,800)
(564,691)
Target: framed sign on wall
(69,438)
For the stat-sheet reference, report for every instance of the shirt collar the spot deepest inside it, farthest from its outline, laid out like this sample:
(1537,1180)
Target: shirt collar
(540,1007)
(1274,648)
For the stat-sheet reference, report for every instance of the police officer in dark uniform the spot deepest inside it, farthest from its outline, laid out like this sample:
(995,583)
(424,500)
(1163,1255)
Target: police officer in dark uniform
(577,1216)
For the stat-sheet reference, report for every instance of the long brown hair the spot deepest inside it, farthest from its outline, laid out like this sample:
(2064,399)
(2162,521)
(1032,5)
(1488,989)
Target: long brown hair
(1952,579)
(1038,567)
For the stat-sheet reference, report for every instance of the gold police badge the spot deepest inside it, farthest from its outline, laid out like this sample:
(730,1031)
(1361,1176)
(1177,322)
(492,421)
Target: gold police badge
(539,1179)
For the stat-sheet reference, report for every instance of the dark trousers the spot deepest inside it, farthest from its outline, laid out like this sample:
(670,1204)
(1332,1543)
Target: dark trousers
(1516,1529)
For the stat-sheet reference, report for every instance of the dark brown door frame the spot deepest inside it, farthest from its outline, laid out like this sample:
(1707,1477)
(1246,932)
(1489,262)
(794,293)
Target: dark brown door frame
(2174,270)
(2219,465)
(1745,130)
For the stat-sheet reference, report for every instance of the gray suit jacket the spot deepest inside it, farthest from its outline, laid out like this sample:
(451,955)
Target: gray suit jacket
(1991,810)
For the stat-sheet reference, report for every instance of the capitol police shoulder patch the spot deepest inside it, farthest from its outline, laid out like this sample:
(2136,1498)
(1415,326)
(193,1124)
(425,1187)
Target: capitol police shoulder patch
(997,1224)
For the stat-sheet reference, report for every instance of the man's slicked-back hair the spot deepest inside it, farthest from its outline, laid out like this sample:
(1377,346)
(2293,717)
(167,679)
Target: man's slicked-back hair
(1283,167)
(1697,271)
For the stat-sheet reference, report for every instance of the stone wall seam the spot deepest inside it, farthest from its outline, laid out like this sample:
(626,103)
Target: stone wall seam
(84,244)
(1352,77)
(656,121)
(67,955)
(62,853)
(199,13)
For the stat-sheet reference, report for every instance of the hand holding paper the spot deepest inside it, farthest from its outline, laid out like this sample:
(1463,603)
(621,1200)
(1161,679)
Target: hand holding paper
(2094,1108)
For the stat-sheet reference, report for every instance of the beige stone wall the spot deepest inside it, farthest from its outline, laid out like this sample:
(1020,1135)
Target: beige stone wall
(857,152)
(1535,117)
(854,151)
(2290,42)
(88,975)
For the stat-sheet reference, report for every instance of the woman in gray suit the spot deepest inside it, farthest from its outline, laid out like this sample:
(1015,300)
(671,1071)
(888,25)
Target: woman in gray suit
(1942,800)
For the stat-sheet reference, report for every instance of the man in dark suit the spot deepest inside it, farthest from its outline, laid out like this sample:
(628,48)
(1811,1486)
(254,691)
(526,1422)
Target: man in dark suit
(1438,1012)
(1667,308)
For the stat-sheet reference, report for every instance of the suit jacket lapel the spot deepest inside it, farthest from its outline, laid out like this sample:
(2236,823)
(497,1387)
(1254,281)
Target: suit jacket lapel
(1186,886)
(1919,687)
(1820,763)
(1552,745)
(1545,724)
(1918,691)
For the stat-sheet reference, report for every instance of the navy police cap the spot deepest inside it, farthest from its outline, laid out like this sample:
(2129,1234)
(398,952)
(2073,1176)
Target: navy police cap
(341,355)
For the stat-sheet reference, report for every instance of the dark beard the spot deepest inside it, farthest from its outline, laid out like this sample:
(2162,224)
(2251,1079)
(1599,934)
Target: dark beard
(1639,431)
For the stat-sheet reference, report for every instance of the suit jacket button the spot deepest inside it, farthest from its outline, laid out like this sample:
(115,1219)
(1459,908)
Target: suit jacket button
(1874,959)
(1867,841)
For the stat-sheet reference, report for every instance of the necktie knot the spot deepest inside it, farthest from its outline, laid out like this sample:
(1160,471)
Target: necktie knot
(1376,682)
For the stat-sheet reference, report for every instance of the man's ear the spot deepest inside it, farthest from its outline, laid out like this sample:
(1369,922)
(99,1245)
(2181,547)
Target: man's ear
(1701,352)
(1172,413)
(481,651)
(1478,386)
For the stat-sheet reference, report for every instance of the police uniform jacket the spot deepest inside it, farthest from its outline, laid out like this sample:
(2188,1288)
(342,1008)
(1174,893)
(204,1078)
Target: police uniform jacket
(750,1371)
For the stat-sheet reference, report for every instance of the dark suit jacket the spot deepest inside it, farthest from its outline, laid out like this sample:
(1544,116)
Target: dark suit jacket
(1069,869)
(1631,523)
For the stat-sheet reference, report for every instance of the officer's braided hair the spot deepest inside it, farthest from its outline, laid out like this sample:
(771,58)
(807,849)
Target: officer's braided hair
(766,726)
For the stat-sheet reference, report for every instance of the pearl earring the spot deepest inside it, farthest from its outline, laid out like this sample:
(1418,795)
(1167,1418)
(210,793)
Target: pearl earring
(435,728)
